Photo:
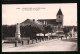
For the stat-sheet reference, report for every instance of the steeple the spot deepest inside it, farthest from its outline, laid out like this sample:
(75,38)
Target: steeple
(59,16)
(59,12)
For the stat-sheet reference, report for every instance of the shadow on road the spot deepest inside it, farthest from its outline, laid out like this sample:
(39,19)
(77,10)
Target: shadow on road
(74,46)
(70,40)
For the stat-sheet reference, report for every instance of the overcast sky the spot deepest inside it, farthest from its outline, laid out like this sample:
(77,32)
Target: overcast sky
(17,13)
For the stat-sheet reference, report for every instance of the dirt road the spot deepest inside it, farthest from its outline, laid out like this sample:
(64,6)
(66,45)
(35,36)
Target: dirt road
(51,45)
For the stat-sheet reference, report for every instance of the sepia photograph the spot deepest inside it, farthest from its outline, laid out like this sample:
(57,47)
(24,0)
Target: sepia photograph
(46,27)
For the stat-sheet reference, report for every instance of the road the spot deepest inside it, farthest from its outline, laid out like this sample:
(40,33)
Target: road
(51,45)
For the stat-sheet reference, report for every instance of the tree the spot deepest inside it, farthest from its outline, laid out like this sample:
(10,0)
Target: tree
(75,28)
(66,30)
(8,31)
(47,28)
(29,31)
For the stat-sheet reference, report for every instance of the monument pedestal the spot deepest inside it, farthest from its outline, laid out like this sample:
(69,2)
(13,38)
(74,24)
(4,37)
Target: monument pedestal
(17,34)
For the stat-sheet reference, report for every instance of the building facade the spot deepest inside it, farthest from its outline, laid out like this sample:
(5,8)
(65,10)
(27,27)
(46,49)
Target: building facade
(57,23)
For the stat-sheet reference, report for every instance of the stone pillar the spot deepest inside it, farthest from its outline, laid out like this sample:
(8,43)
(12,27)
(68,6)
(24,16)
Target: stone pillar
(16,43)
(17,34)
(27,41)
(72,32)
(22,42)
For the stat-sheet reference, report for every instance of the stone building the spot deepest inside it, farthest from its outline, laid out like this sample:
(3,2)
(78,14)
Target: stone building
(57,23)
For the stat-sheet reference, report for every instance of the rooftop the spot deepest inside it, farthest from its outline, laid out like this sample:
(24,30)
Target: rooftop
(59,12)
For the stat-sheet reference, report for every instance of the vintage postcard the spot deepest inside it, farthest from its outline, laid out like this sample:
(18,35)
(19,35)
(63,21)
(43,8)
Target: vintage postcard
(46,27)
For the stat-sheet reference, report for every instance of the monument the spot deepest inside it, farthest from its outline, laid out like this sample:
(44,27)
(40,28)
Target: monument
(17,34)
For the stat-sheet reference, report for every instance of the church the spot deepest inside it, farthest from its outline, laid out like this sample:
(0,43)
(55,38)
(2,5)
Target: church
(57,23)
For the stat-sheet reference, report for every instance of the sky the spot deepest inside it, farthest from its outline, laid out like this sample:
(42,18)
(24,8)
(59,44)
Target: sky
(17,13)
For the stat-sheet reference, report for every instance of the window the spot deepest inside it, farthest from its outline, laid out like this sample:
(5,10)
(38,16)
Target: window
(59,16)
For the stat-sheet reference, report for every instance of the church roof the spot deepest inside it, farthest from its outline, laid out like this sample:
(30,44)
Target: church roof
(46,20)
(59,12)
(50,21)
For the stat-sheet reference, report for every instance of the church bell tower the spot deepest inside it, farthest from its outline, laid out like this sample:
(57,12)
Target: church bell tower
(59,17)
(59,20)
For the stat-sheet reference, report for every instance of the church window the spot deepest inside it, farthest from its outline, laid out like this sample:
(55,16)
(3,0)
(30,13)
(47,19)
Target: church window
(59,16)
